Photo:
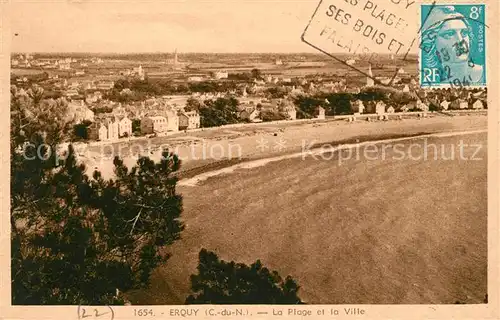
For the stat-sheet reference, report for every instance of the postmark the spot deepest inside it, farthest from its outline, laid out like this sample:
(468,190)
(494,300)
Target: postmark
(363,30)
(449,40)
(453,45)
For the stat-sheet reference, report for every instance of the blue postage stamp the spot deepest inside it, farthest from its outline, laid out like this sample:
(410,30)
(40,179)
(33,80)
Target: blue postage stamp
(453,45)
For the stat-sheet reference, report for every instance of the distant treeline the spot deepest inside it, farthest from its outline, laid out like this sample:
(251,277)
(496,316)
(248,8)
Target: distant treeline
(199,57)
(340,103)
(141,89)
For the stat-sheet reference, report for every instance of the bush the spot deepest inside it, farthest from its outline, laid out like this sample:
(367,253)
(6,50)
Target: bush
(80,131)
(306,106)
(269,115)
(220,282)
(219,112)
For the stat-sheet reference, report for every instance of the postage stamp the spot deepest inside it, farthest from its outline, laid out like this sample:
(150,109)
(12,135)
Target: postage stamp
(453,45)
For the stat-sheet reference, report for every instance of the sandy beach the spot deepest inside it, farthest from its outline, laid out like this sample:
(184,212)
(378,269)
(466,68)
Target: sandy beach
(367,231)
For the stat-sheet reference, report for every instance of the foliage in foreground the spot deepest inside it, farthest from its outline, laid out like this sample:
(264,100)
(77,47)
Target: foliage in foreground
(78,239)
(220,282)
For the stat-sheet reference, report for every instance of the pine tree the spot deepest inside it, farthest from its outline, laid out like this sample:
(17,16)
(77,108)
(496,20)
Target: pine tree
(78,239)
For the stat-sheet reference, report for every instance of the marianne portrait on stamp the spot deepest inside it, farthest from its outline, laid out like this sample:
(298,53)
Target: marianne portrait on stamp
(447,38)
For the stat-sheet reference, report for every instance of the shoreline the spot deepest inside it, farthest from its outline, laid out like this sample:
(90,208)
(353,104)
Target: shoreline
(201,154)
(192,180)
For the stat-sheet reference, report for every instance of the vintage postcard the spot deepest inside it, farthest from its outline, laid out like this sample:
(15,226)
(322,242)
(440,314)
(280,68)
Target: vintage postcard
(249,160)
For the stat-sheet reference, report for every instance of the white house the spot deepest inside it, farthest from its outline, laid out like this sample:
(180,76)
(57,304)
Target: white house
(104,130)
(459,104)
(320,113)
(357,107)
(172,120)
(418,105)
(444,104)
(189,120)
(113,131)
(93,97)
(287,108)
(195,78)
(64,65)
(221,75)
(251,114)
(124,126)
(153,124)
(71,93)
(105,85)
(98,131)
(478,104)
(380,108)
(139,71)
(78,112)
(291,112)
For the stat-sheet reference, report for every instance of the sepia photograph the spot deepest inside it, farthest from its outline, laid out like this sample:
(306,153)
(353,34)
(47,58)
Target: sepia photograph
(169,153)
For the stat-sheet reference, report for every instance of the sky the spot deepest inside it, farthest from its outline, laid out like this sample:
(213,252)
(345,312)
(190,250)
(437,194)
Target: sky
(160,26)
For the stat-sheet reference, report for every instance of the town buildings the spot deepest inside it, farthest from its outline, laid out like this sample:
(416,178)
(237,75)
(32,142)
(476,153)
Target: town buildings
(124,126)
(189,120)
(478,104)
(163,110)
(139,72)
(444,104)
(418,105)
(250,113)
(79,112)
(104,130)
(98,131)
(320,113)
(357,107)
(290,112)
(221,75)
(105,85)
(380,108)
(459,104)
(172,120)
(196,78)
(153,124)
(71,93)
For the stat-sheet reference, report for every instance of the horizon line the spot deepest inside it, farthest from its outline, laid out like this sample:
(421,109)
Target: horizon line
(187,52)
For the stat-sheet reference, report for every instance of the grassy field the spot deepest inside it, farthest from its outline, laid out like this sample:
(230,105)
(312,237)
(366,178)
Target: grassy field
(362,231)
